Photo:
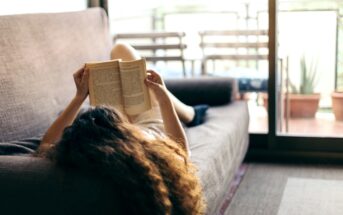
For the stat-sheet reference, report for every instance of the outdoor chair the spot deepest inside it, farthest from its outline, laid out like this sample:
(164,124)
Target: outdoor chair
(157,46)
(243,51)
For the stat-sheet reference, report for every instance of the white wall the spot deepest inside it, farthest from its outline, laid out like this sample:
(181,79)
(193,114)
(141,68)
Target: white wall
(312,34)
(8,7)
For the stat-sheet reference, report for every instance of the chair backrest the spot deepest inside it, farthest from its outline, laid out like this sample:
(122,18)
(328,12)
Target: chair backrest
(234,45)
(157,46)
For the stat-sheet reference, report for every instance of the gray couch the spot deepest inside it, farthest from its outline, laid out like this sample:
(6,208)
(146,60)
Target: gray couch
(38,54)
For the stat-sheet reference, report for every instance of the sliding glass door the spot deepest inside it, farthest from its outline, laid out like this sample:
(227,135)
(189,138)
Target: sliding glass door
(306,75)
(308,50)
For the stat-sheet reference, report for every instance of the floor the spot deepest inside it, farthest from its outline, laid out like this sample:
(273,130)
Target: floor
(324,124)
(266,189)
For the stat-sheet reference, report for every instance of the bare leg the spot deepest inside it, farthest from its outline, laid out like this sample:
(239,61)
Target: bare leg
(126,52)
(185,112)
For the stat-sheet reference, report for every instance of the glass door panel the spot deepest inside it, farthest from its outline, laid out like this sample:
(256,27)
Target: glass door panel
(240,44)
(310,70)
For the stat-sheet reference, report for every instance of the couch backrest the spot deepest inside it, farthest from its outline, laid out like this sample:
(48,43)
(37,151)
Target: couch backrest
(38,55)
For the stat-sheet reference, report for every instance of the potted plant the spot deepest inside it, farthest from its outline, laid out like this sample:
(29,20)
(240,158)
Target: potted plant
(303,101)
(337,100)
(337,95)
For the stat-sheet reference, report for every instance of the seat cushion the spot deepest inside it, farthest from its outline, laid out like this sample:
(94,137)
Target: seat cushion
(218,147)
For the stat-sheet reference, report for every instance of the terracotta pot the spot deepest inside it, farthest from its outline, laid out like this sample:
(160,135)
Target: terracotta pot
(301,106)
(337,105)
(265,100)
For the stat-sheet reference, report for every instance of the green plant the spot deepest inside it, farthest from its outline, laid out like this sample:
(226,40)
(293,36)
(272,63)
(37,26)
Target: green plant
(308,78)
(339,75)
(339,87)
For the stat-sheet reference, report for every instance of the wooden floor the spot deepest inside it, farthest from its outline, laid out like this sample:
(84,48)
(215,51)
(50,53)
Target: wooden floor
(324,124)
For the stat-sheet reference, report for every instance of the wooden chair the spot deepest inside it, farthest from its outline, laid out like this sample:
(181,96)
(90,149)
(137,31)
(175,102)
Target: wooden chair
(157,46)
(248,47)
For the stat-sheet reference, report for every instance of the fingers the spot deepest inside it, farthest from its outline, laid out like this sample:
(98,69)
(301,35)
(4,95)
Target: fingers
(79,72)
(152,84)
(85,76)
(81,75)
(152,72)
(154,76)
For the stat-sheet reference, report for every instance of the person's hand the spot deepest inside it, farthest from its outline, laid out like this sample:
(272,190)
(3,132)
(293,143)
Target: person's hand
(156,84)
(81,77)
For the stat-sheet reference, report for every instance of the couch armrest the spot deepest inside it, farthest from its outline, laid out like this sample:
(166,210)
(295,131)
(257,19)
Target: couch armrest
(203,90)
(31,185)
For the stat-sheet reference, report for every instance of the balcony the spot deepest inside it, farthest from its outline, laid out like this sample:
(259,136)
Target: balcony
(309,56)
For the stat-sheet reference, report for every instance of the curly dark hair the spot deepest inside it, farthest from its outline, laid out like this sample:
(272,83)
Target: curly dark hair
(154,174)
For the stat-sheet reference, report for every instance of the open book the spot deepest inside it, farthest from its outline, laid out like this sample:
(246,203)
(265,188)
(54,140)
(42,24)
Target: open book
(119,84)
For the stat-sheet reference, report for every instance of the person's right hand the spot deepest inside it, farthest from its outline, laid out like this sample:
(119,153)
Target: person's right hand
(155,82)
(81,78)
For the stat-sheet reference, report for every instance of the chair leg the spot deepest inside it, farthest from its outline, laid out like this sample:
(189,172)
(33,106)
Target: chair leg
(184,69)
(203,68)
(192,67)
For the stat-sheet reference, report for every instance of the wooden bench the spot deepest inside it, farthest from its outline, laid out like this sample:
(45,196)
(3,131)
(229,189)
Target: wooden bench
(248,47)
(157,46)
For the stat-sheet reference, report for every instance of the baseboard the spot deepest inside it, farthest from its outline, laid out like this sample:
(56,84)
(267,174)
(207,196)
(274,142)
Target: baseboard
(285,156)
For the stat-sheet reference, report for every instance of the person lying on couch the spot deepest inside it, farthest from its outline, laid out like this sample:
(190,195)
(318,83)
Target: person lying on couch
(146,157)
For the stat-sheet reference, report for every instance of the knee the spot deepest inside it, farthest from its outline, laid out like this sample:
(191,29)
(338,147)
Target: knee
(120,47)
(124,51)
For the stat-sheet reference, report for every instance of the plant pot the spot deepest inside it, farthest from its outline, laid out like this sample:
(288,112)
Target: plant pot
(265,100)
(337,105)
(303,106)
(300,105)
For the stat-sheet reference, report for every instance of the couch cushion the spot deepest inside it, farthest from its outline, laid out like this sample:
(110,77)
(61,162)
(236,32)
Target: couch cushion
(39,52)
(218,147)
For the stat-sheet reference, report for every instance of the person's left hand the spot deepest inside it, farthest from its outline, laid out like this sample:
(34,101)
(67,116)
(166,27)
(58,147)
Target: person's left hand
(81,78)
(155,82)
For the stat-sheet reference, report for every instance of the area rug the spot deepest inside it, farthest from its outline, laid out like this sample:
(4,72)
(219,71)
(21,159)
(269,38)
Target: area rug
(265,187)
(312,197)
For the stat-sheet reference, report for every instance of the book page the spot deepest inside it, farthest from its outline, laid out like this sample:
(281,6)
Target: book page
(135,93)
(104,84)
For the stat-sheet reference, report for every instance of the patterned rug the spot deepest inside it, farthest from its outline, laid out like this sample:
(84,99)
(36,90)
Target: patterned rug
(233,187)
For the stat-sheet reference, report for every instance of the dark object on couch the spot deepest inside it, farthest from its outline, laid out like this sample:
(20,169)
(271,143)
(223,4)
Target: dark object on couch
(205,90)
(36,64)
